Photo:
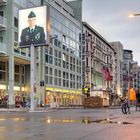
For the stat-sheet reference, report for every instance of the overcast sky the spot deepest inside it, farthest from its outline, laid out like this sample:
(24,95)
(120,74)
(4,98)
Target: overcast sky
(110,19)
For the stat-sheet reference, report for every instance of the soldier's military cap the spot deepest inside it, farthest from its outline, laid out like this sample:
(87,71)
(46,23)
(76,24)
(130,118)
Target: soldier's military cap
(31,15)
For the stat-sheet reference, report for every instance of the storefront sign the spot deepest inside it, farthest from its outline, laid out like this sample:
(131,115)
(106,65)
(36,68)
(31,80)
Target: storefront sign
(66,91)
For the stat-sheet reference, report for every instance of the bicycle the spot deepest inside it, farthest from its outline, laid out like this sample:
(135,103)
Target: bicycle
(125,107)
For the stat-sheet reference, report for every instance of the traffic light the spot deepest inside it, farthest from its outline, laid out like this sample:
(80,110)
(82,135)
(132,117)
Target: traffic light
(88,92)
(42,83)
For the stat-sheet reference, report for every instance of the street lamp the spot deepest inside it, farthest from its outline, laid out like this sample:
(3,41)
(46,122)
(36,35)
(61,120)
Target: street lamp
(133,15)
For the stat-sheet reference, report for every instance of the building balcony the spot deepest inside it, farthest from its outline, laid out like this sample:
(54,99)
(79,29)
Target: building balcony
(3,48)
(3,2)
(3,22)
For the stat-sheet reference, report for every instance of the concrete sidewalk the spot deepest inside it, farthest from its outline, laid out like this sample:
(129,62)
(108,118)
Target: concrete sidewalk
(38,109)
(22,110)
(42,109)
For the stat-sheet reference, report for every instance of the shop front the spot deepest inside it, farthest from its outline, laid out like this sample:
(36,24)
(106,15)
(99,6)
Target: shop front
(3,96)
(18,96)
(62,98)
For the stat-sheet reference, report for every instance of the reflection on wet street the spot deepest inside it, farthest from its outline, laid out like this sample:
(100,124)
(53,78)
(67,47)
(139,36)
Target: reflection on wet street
(50,120)
(103,121)
(38,126)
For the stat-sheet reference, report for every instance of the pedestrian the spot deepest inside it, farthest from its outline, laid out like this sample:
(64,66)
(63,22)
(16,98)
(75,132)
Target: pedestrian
(125,105)
(133,96)
(32,34)
(24,101)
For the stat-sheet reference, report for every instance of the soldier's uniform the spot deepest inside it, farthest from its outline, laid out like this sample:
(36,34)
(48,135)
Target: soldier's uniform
(34,36)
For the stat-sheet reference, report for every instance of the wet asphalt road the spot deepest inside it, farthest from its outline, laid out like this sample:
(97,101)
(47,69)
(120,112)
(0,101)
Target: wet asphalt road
(70,124)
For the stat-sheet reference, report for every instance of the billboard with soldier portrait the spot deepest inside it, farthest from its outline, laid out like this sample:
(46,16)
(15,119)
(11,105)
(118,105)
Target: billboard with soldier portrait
(32,27)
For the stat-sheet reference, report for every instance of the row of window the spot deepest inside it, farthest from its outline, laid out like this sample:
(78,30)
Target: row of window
(2,71)
(19,73)
(66,30)
(66,65)
(72,48)
(28,3)
(2,76)
(58,73)
(56,43)
(20,76)
(98,41)
(62,82)
(59,17)
(62,55)
(98,53)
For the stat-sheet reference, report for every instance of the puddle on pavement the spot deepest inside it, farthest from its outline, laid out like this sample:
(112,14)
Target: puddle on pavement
(86,121)
(53,121)
(49,120)
(103,121)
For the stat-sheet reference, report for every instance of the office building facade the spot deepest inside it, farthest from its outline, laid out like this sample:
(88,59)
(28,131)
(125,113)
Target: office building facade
(58,64)
(97,55)
(118,47)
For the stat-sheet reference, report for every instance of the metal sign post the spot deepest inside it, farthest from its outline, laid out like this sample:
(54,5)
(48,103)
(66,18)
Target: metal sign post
(32,76)
(36,34)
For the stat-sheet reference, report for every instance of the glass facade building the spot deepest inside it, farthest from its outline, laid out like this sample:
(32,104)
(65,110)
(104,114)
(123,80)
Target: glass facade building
(63,59)
(58,64)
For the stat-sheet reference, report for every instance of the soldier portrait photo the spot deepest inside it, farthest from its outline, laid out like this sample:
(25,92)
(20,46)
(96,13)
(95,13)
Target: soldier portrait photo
(33,33)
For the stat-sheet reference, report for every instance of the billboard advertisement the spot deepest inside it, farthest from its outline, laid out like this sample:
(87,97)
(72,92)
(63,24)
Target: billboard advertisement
(32,27)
